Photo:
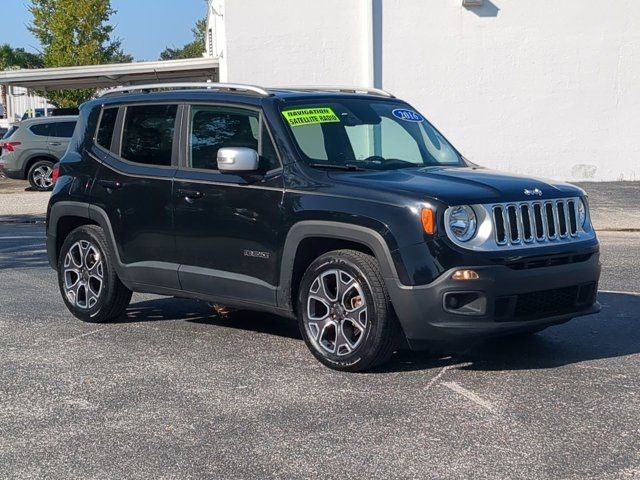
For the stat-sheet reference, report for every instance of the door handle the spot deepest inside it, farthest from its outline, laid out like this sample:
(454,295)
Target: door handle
(55,144)
(110,184)
(189,195)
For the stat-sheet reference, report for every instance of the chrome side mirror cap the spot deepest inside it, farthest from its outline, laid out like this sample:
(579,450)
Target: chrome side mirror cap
(237,159)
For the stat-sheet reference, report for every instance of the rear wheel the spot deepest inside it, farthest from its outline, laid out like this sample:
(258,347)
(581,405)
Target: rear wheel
(40,175)
(87,278)
(345,314)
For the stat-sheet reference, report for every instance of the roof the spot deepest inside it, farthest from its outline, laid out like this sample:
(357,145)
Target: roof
(103,76)
(61,118)
(239,93)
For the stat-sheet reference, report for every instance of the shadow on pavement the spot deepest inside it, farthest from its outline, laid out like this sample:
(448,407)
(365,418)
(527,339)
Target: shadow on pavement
(22,219)
(612,333)
(200,312)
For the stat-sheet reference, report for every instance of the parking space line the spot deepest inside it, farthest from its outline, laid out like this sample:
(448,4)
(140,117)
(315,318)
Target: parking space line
(86,334)
(635,294)
(469,395)
(40,237)
(444,370)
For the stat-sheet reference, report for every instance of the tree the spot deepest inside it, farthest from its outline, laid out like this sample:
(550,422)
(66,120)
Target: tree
(193,49)
(75,32)
(16,58)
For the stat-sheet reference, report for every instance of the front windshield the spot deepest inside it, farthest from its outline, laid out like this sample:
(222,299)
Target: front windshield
(372,135)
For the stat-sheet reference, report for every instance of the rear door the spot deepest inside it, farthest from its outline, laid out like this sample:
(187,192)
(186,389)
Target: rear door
(38,140)
(60,134)
(137,146)
(228,225)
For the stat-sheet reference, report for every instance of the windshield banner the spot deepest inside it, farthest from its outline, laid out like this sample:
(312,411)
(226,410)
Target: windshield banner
(308,116)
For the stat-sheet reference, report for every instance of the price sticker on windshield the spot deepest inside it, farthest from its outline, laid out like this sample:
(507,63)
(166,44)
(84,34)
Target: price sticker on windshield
(310,116)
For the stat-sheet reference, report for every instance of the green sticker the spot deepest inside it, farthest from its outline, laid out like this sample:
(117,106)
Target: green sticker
(309,116)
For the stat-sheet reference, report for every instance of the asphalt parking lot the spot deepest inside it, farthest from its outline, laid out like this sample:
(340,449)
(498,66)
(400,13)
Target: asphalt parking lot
(173,391)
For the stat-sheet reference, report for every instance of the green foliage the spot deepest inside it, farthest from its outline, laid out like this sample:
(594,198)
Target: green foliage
(193,49)
(75,32)
(18,58)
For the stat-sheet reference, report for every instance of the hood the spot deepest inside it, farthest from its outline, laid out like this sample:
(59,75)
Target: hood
(455,185)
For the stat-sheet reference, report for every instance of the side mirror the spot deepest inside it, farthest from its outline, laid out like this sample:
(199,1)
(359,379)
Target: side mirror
(238,159)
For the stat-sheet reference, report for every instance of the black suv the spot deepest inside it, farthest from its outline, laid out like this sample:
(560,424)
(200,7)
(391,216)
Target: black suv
(343,208)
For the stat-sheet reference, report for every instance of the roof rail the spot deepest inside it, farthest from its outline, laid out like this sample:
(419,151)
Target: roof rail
(229,87)
(370,91)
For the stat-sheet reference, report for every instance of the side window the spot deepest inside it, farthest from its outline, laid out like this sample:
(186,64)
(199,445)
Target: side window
(269,158)
(62,129)
(42,129)
(213,128)
(105,129)
(147,136)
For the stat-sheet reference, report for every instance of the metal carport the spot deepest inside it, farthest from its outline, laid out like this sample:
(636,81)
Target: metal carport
(104,76)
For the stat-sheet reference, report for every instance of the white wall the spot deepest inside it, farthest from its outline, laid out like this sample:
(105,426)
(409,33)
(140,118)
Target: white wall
(20,101)
(293,42)
(542,87)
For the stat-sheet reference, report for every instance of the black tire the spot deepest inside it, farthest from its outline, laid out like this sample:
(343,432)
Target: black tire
(112,298)
(381,331)
(37,182)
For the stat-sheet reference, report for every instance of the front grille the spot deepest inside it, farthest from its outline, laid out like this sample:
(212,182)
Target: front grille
(534,222)
(545,303)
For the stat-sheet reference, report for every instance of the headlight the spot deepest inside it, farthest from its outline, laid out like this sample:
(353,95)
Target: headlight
(462,222)
(582,213)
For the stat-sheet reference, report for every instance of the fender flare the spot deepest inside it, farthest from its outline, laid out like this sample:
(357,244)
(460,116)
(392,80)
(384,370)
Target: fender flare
(81,210)
(42,155)
(335,230)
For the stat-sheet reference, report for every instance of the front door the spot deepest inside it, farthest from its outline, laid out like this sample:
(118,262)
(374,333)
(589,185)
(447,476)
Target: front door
(228,226)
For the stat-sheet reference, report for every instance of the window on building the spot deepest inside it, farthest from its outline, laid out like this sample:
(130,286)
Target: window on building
(147,136)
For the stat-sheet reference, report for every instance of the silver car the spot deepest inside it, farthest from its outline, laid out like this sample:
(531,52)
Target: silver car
(31,148)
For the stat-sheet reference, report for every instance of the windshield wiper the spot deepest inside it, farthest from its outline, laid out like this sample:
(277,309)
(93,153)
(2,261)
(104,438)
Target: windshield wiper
(332,166)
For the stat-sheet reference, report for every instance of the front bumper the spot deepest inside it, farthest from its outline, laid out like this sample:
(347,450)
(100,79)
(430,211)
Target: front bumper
(501,301)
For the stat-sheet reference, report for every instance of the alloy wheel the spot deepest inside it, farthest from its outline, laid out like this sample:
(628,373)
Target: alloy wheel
(337,312)
(42,176)
(83,275)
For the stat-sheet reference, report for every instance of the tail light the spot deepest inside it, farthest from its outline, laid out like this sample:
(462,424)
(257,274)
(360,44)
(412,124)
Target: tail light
(55,173)
(9,146)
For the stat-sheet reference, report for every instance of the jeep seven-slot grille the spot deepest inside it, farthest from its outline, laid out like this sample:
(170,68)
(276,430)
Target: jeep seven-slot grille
(540,221)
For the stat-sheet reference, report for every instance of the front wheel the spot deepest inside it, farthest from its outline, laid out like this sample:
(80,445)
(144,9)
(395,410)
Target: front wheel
(87,278)
(345,315)
(40,175)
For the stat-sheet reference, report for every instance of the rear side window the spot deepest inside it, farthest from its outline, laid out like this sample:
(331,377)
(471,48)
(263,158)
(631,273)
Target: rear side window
(10,132)
(41,130)
(147,136)
(62,129)
(105,129)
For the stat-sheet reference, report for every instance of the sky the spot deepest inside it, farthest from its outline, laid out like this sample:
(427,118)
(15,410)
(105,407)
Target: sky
(146,27)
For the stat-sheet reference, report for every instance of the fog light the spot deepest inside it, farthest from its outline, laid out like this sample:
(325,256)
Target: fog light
(465,275)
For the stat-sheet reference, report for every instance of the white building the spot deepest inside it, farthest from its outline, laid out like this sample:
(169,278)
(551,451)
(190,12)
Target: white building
(543,87)
(20,101)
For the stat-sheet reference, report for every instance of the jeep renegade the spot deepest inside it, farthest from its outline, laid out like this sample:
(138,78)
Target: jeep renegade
(344,208)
